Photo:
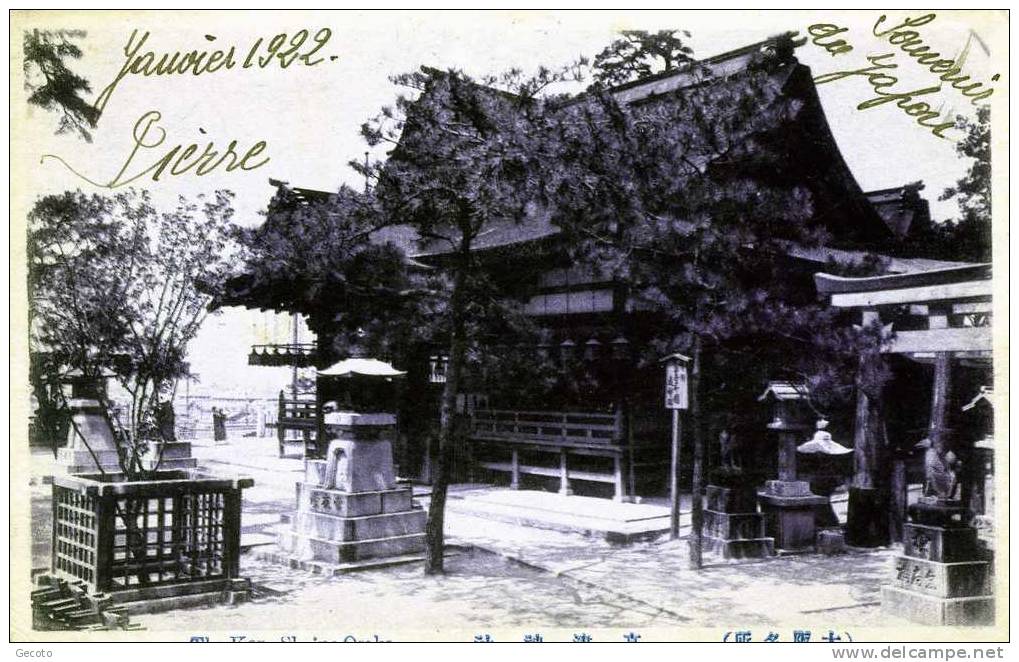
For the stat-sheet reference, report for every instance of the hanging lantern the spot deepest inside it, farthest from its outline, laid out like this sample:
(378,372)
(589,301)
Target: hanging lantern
(567,349)
(592,349)
(437,365)
(620,348)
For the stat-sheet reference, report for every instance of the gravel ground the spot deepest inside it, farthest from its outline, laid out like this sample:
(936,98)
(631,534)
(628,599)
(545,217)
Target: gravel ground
(516,577)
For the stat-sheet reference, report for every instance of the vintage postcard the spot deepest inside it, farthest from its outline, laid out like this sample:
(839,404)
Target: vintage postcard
(510,326)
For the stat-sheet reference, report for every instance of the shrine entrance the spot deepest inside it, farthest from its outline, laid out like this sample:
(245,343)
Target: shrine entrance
(940,317)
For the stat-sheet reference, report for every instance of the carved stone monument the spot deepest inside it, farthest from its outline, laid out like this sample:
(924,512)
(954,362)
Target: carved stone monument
(941,578)
(349,507)
(789,504)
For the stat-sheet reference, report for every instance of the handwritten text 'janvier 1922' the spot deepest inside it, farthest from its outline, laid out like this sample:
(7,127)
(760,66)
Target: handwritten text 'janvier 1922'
(281,49)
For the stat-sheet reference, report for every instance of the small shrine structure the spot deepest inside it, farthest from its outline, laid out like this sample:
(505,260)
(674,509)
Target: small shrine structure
(943,576)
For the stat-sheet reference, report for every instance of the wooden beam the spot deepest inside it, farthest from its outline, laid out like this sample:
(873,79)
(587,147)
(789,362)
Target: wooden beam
(911,295)
(972,308)
(963,339)
(829,284)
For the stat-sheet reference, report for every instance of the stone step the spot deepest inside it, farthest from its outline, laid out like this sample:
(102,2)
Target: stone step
(189,601)
(728,526)
(309,548)
(383,525)
(932,610)
(611,530)
(741,548)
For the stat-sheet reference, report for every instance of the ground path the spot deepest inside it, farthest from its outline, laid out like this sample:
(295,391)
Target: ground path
(512,576)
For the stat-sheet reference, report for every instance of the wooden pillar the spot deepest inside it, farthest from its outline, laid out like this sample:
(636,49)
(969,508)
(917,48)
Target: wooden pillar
(280,432)
(105,526)
(618,475)
(677,447)
(564,477)
(514,469)
(232,533)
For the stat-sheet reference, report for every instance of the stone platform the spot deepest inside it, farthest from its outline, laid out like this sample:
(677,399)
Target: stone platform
(614,521)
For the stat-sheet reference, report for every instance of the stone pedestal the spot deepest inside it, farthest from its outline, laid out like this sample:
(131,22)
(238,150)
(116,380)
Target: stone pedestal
(791,508)
(732,526)
(940,578)
(349,507)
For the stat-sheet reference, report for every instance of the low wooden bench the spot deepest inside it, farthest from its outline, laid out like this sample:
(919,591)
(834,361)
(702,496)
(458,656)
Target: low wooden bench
(562,434)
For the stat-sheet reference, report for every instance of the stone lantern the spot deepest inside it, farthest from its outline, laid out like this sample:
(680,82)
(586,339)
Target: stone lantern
(349,505)
(90,438)
(788,502)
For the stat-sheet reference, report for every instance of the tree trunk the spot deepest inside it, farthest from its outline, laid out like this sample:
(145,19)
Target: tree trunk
(434,537)
(697,506)
(900,496)
(939,401)
(869,514)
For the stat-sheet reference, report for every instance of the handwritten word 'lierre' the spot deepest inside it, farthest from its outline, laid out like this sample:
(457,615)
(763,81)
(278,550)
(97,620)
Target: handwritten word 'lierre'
(878,74)
(178,160)
(281,49)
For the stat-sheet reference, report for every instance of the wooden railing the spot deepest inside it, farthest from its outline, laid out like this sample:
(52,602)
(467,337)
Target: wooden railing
(563,434)
(548,427)
(298,415)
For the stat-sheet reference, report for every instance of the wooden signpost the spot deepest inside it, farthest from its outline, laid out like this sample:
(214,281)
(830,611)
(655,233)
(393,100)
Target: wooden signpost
(676,398)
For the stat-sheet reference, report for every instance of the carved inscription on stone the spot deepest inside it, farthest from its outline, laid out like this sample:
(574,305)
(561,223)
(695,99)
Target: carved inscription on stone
(918,576)
(921,544)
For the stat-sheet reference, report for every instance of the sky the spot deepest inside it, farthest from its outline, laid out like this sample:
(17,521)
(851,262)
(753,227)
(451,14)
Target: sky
(309,116)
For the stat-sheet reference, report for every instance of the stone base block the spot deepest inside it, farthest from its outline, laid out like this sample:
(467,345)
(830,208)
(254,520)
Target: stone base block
(939,512)
(932,610)
(353,504)
(175,455)
(728,526)
(731,499)
(943,580)
(788,488)
(935,543)
(384,525)
(175,450)
(831,542)
(306,547)
(745,548)
(790,520)
(80,460)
